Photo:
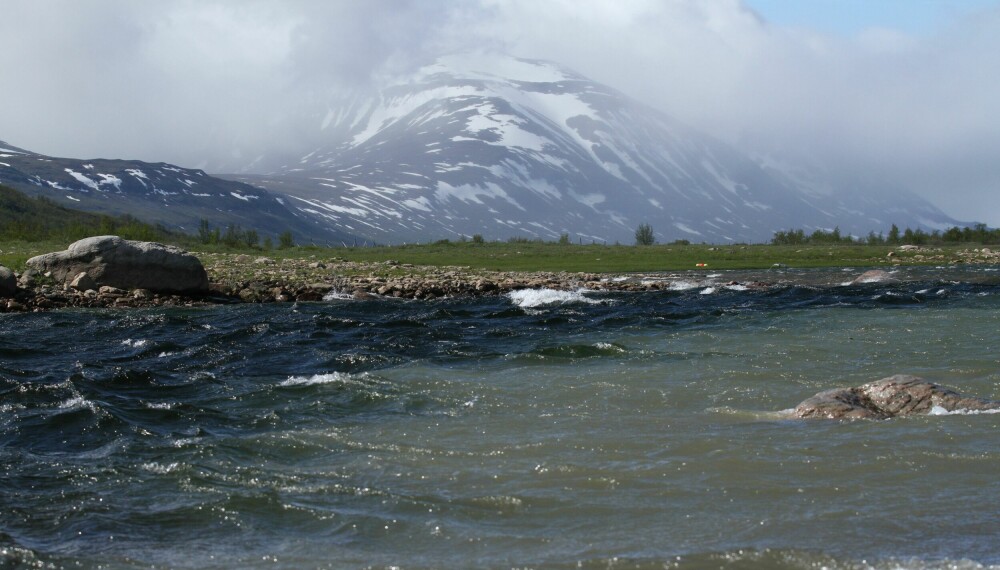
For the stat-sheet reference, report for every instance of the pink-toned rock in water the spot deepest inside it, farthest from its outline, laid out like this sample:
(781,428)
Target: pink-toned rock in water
(899,395)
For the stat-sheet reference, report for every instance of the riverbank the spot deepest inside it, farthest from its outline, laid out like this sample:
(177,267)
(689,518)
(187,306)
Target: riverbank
(259,278)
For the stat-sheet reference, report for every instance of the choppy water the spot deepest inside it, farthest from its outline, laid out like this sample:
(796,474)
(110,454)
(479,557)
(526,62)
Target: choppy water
(541,430)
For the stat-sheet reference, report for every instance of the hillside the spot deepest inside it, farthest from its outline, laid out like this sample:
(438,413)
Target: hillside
(174,197)
(498,146)
(34,219)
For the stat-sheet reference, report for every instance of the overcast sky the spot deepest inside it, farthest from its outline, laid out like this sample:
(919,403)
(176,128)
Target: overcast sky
(901,90)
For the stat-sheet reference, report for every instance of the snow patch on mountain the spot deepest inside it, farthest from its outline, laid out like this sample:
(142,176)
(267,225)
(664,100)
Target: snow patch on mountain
(489,144)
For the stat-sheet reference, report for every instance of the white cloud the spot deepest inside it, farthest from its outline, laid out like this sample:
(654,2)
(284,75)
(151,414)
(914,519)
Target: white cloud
(202,81)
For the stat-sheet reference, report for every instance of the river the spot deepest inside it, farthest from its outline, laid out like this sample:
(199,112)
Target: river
(541,429)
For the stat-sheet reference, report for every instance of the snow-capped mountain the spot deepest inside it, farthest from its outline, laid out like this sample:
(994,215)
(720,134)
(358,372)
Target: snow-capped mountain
(159,193)
(506,147)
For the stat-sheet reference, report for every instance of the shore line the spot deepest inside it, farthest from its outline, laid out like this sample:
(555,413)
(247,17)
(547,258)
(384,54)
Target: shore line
(242,278)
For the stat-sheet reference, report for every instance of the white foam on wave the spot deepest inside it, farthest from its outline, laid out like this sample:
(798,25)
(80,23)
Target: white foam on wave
(683,285)
(337,296)
(940,411)
(707,291)
(316,379)
(137,343)
(527,298)
(77,402)
(160,468)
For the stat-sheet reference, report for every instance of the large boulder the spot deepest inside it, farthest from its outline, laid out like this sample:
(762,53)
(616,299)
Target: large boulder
(899,395)
(8,282)
(125,264)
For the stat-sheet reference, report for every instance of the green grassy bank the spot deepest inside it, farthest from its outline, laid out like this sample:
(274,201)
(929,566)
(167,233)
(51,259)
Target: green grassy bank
(580,258)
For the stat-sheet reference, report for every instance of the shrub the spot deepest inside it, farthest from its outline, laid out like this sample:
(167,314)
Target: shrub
(644,235)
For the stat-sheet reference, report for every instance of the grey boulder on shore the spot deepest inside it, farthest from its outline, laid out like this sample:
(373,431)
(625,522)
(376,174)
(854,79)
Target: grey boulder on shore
(126,264)
(8,282)
(899,395)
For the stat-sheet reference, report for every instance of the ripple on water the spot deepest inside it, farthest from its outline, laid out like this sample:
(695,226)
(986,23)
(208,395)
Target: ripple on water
(585,431)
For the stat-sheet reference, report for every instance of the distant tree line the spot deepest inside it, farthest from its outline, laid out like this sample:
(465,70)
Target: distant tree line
(978,233)
(235,236)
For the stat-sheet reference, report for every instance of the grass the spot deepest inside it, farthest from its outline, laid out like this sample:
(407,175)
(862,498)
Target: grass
(555,257)
(615,259)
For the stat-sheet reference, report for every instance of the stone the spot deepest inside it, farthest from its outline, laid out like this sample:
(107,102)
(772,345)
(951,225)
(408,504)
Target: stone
(899,395)
(8,282)
(83,282)
(125,264)
(109,291)
(27,279)
(874,276)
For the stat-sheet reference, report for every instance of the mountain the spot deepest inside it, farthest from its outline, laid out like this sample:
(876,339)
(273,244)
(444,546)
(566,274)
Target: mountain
(178,198)
(505,147)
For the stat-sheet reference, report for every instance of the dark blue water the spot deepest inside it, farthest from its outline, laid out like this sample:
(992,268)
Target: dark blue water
(537,430)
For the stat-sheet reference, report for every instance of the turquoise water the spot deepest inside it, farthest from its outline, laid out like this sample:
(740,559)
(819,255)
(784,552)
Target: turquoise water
(539,430)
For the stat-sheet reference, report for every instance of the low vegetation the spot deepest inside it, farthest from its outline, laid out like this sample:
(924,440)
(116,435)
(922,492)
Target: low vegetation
(40,219)
(30,226)
(977,234)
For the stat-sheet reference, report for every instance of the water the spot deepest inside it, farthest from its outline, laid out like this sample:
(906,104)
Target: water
(540,430)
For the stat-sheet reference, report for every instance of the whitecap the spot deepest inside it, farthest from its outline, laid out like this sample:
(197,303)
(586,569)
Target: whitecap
(77,403)
(335,295)
(737,287)
(683,285)
(137,343)
(527,298)
(707,291)
(941,411)
(316,379)
(159,468)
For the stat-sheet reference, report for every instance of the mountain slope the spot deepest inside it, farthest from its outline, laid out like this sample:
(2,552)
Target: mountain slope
(160,193)
(506,147)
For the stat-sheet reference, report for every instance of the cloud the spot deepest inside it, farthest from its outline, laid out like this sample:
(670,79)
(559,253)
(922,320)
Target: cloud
(216,82)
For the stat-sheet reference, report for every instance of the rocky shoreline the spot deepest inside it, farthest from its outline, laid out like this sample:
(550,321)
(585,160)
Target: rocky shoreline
(248,279)
(241,278)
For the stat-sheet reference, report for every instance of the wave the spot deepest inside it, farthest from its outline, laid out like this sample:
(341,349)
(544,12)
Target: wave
(575,351)
(529,298)
(335,295)
(939,411)
(317,379)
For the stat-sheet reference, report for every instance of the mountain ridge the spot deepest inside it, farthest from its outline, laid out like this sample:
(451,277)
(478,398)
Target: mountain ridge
(178,198)
(508,147)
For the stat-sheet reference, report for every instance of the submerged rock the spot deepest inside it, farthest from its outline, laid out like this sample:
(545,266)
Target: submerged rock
(899,395)
(125,264)
(874,276)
